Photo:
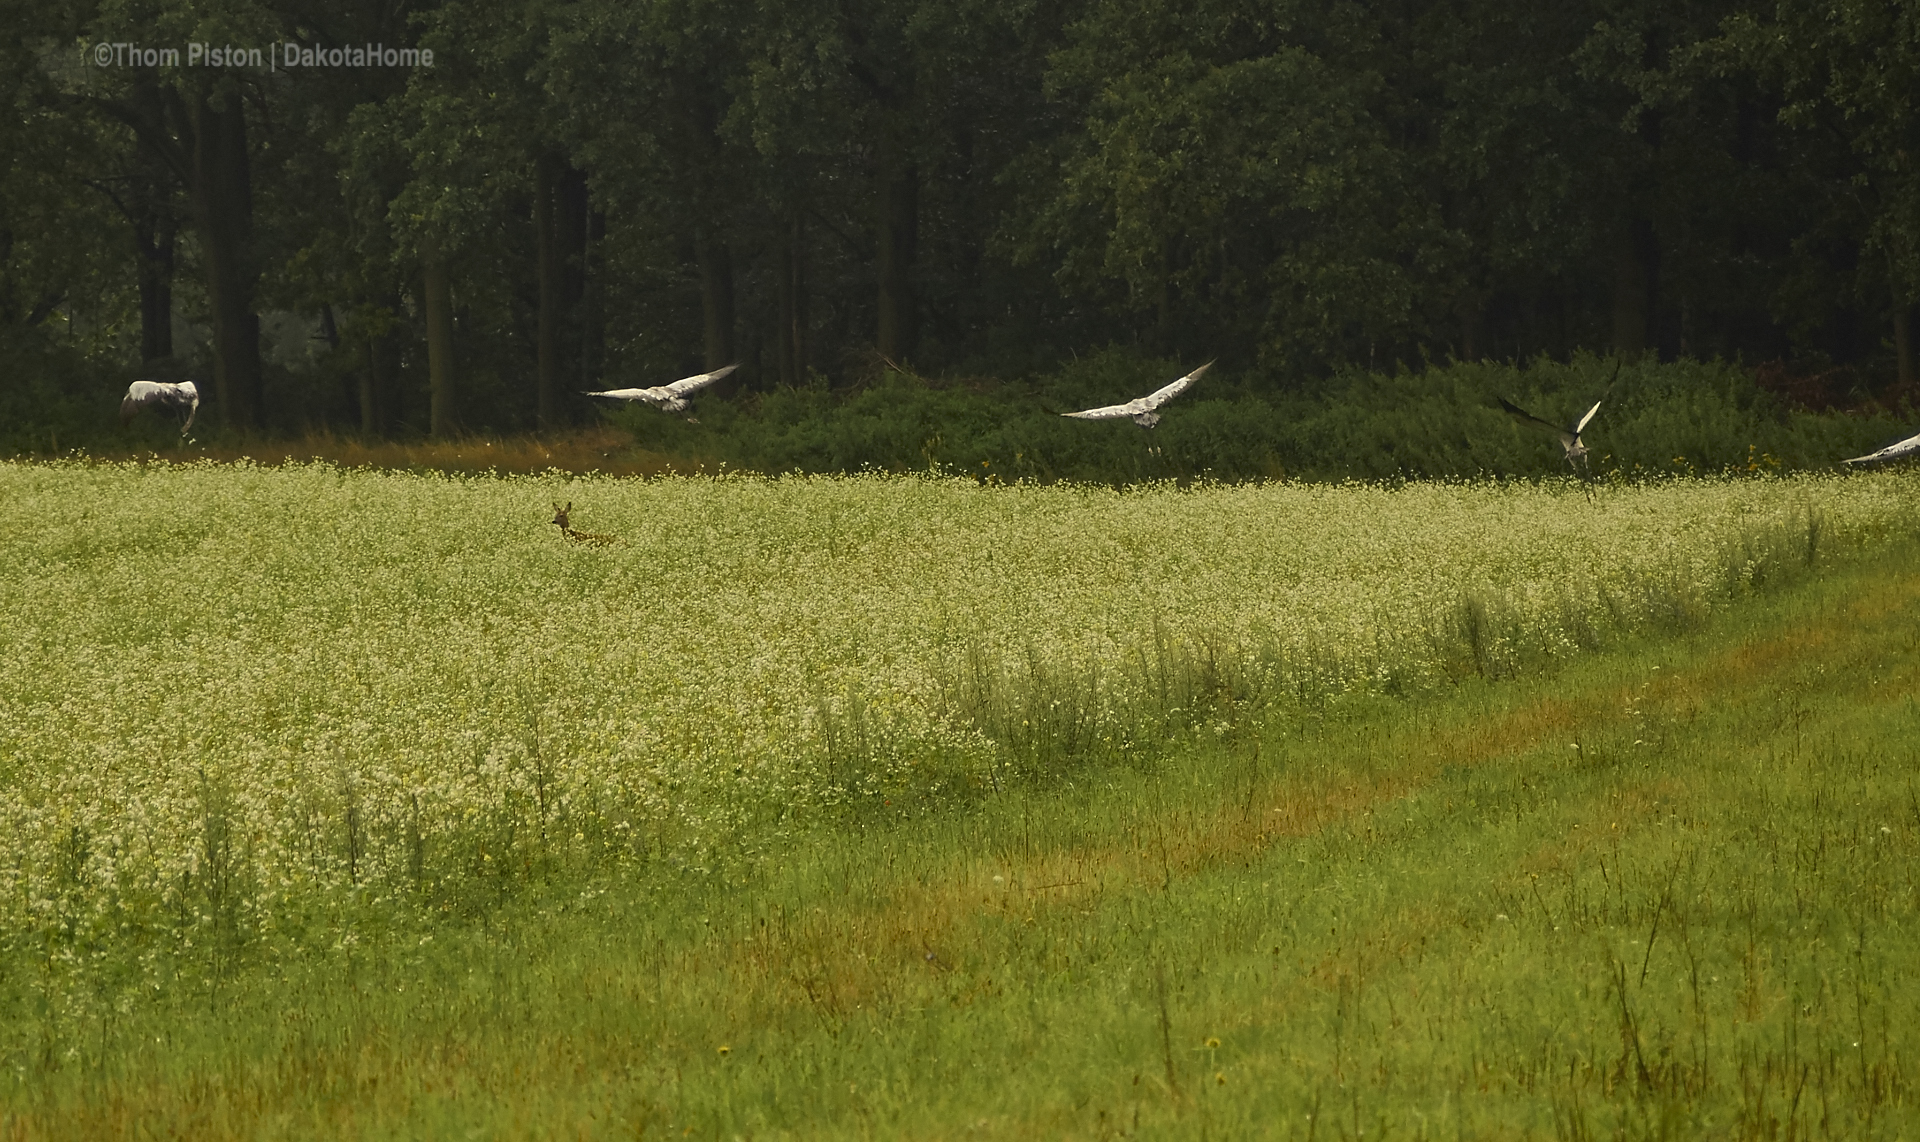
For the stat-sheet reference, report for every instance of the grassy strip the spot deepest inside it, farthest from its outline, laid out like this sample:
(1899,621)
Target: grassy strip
(1670,890)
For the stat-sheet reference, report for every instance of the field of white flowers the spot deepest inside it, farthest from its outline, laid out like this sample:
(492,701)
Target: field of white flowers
(226,692)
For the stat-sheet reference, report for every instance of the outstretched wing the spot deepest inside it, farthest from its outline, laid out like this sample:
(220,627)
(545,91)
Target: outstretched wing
(651,396)
(1908,447)
(1525,417)
(685,385)
(1145,404)
(1160,396)
(1613,379)
(1105,412)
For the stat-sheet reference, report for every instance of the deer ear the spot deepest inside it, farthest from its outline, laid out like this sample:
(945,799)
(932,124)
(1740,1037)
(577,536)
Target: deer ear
(569,506)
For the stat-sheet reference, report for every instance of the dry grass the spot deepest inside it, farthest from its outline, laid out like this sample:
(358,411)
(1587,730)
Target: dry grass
(603,450)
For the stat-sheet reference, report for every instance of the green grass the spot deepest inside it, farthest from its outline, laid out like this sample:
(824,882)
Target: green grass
(1665,888)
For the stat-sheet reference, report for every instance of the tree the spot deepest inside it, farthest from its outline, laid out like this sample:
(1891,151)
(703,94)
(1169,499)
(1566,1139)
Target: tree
(473,127)
(333,184)
(195,120)
(1235,178)
(1847,71)
(646,89)
(884,108)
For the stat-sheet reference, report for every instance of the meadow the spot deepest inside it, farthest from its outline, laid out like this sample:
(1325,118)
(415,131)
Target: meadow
(361,803)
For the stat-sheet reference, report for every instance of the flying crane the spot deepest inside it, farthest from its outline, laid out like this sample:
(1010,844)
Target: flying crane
(668,398)
(1908,447)
(1145,410)
(161,394)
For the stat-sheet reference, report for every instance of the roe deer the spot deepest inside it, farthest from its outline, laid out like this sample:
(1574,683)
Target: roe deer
(595,538)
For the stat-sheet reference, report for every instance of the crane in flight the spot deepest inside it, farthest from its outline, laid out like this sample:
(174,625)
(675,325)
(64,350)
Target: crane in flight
(1576,449)
(668,398)
(161,394)
(1145,410)
(1570,442)
(1908,447)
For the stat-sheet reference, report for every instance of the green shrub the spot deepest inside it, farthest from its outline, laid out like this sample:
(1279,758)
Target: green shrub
(1440,422)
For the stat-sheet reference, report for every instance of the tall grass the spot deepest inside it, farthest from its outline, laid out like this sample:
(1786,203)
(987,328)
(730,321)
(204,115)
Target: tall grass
(1665,891)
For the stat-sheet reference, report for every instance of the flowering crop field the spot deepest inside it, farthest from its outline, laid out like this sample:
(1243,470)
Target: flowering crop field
(301,678)
(232,697)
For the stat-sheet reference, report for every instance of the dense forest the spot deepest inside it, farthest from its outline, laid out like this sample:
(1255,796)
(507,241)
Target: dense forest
(408,216)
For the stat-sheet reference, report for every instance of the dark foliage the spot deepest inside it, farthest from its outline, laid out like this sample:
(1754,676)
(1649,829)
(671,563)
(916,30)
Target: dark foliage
(579,194)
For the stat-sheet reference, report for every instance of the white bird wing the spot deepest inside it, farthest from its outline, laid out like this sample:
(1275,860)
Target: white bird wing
(1138,405)
(1587,419)
(1160,396)
(1893,451)
(685,385)
(139,395)
(651,396)
(1107,412)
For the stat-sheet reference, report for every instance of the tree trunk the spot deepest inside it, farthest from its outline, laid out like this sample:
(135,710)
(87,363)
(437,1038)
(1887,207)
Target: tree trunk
(1635,270)
(791,344)
(549,267)
(1472,316)
(573,226)
(716,298)
(154,236)
(1903,341)
(376,385)
(802,325)
(222,194)
(1636,266)
(1163,302)
(783,356)
(561,221)
(591,319)
(899,225)
(380,379)
(437,303)
(9,297)
(154,228)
